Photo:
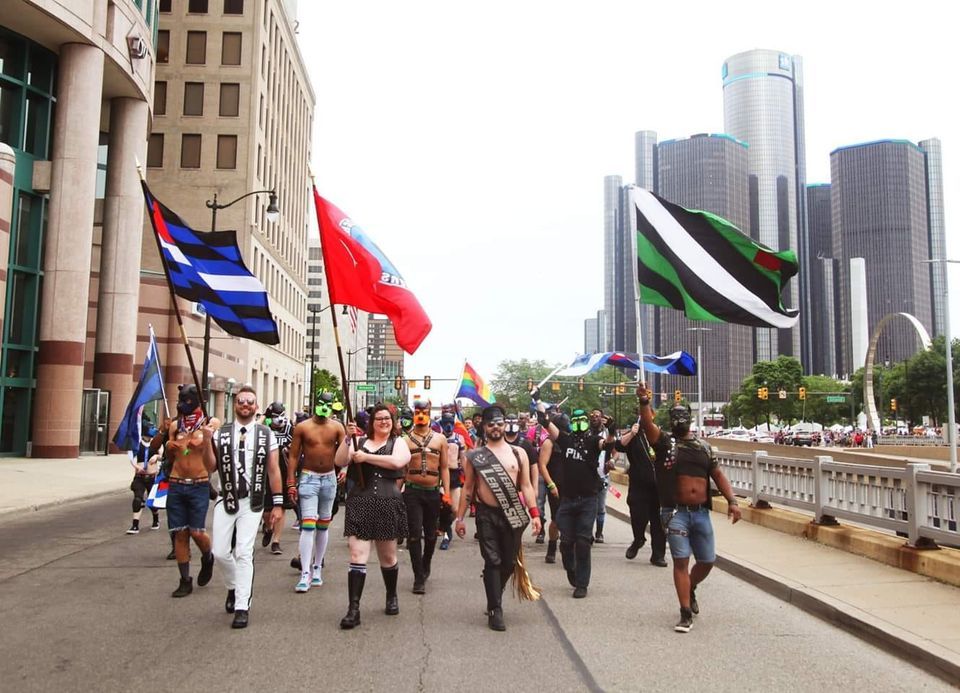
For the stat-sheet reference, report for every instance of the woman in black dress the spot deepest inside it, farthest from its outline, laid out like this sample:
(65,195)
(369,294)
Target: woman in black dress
(375,510)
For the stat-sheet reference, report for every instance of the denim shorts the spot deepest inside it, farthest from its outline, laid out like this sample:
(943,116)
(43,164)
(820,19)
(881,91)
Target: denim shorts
(689,531)
(187,506)
(317,493)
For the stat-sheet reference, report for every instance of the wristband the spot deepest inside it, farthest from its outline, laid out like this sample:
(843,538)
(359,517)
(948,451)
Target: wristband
(733,503)
(277,499)
(551,486)
(460,520)
(291,484)
(534,511)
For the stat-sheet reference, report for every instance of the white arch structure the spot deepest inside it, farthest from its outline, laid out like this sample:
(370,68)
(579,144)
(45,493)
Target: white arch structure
(873,418)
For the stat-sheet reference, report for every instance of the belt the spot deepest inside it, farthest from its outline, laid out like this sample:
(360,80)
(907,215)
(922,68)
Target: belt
(419,487)
(688,508)
(332,472)
(189,482)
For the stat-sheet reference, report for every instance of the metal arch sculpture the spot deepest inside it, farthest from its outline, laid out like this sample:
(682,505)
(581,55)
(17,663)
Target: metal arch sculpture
(873,418)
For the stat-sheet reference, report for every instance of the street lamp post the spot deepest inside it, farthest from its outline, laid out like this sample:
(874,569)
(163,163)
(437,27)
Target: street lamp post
(313,344)
(273,213)
(698,330)
(951,417)
(226,399)
(350,371)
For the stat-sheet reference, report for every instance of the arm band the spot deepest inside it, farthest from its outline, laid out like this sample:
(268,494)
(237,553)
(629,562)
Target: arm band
(551,486)
(534,511)
(460,520)
(277,499)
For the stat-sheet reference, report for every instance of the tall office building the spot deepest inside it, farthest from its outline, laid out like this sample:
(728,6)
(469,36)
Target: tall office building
(882,211)
(763,106)
(938,232)
(594,331)
(321,344)
(233,113)
(76,84)
(824,294)
(384,359)
(619,267)
(707,172)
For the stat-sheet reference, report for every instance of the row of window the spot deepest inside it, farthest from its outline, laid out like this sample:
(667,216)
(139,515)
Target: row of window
(203,6)
(231,47)
(191,148)
(193,93)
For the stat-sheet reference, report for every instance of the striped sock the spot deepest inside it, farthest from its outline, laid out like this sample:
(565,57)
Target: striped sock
(309,524)
(359,567)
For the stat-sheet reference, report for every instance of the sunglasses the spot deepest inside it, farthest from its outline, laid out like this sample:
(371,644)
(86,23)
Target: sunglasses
(246,400)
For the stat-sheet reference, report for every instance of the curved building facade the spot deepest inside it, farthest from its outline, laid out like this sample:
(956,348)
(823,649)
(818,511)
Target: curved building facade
(76,84)
(763,107)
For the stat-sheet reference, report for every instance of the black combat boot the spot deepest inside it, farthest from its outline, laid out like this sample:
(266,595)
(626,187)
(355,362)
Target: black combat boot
(355,580)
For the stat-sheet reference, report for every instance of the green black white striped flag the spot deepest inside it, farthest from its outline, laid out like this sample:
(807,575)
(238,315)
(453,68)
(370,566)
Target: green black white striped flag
(705,266)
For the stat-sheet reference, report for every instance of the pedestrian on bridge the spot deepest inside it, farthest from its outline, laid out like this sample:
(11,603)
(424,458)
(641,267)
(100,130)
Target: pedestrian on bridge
(685,465)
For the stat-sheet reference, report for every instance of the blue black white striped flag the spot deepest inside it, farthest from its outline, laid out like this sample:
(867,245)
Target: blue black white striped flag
(677,363)
(149,389)
(208,268)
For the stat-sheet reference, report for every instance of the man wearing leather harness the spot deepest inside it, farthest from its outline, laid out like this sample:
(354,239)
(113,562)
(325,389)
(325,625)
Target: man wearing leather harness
(494,475)
(247,461)
(426,487)
(684,467)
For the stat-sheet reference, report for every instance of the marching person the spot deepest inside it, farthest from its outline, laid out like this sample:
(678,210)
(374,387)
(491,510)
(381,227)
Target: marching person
(513,434)
(275,416)
(315,440)
(685,464)
(456,446)
(549,460)
(247,461)
(144,475)
(604,467)
(189,454)
(375,509)
(496,474)
(642,498)
(425,491)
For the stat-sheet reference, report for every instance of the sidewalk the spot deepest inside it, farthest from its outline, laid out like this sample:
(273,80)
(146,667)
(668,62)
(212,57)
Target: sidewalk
(908,614)
(28,484)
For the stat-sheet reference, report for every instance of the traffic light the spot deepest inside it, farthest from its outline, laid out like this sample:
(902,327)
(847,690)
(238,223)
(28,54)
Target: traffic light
(426,382)
(677,395)
(580,384)
(803,393)
(621,389)
(529,384)
(893,404)
(759,393)
(764,393)
(555,387)
(398,383)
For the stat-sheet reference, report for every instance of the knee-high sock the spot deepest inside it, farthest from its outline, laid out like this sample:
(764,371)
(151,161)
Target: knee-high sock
(308,530)
(320,544)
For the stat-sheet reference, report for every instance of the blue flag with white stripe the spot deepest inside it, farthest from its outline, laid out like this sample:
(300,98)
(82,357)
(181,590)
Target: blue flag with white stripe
(677,363)
(208,268)
(149,389)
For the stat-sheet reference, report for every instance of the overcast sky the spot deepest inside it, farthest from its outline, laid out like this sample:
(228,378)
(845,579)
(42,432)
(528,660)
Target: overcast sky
(470,140)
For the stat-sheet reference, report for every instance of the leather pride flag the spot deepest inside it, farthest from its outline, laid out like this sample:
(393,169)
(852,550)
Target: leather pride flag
(360,275)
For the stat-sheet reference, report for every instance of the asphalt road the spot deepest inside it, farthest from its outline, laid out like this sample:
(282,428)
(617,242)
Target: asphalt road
(86,608)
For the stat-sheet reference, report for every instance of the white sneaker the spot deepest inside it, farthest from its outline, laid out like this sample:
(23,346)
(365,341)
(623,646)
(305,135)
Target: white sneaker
(304,583)
(133,530)
(317,579)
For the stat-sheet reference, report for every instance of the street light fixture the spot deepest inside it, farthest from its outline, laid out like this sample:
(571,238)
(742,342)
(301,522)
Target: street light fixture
(951,417)
(273,213)
(313,345)
(698,330)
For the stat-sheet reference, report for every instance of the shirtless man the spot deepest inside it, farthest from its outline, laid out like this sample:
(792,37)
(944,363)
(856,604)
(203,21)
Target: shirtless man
(455,459)
(684,467)
(318,439)
(497,463)
(426,486)
(189,453)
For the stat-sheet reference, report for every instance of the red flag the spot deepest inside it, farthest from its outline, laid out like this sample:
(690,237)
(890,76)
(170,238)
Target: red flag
(360,275)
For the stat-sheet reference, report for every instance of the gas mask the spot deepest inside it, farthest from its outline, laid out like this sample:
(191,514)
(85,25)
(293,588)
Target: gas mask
(512,426)
(407,419)
(421,413)
(679,421)
(579,423)
(326,405)
(188,401)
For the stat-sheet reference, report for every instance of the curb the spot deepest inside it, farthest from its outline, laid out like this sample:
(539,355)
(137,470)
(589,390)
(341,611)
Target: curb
(69,500)
(881,634)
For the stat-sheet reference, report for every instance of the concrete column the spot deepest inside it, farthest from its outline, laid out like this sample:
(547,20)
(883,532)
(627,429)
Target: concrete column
(117,305)
(8,162)
(67,248)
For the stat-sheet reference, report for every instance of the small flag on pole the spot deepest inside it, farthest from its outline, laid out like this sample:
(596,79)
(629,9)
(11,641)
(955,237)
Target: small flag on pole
(149,389)
(474,388)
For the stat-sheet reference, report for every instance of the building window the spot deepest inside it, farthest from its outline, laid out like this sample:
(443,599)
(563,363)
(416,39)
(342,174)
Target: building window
(155,150)
(159,98)
(233,6)
(193,98)
(163,46)
(102,152)
(232,44)
(196,47)
(190,151)
(226,151)
(229,99)
(198,6)
(165,6)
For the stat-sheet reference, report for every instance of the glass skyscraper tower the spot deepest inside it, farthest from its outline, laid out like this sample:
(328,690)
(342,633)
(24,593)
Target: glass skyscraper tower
(763,106)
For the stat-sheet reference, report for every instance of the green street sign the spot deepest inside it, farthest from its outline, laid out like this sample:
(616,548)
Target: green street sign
(366,388)
(836,399)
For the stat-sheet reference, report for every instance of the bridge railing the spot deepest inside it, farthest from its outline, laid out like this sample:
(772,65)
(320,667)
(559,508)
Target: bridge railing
(915,501)
(918,441)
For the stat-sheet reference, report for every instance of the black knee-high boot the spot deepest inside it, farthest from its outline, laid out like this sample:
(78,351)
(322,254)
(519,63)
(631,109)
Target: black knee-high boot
(493,585)
(429,546)
(416,561)
(355,580)
(392,607)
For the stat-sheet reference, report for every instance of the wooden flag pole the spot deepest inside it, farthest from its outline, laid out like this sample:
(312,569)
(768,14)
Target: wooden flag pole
(176,308)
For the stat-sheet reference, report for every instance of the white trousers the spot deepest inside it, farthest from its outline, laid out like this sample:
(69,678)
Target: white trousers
(236,564)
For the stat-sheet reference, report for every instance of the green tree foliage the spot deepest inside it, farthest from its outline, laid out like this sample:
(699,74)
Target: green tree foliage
(325,381)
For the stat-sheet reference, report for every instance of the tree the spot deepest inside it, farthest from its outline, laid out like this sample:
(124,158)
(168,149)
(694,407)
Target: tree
(324,381)
(785,373)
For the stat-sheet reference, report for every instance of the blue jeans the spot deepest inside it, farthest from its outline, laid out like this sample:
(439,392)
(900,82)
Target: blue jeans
(689,531)
(317,493)
(602,504)
(575,519)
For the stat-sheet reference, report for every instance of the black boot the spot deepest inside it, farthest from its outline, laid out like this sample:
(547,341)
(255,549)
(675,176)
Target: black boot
(185,588)
(416,562)
(429,546)
(551,551)
(355,580)
(494,590)
(390,582)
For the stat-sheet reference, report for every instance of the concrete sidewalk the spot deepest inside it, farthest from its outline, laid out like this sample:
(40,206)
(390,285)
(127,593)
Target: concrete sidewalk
(907,614)
(28,484)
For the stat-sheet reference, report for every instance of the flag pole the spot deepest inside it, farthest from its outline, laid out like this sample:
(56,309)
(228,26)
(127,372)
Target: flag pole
(631,223)
(176,308)
(153,342)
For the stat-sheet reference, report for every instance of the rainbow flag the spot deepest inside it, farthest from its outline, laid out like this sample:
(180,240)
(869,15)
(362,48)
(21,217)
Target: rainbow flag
(474,388)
